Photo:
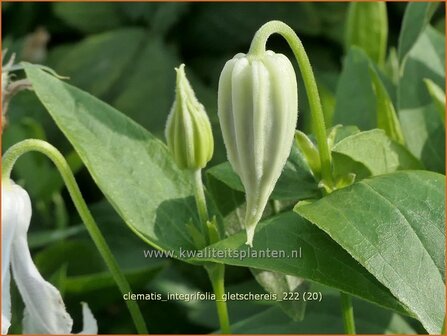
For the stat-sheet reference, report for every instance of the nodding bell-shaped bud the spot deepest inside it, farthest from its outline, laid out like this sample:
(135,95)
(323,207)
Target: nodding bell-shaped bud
(258,110)
(188,129)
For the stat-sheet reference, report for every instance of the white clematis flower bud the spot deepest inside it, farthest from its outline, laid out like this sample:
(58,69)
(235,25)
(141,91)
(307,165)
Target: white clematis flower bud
(45,311)
(258,110)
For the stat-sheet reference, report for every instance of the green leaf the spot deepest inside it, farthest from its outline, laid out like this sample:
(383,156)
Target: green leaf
(277,283)
(438,96)
(295,183)
(160,17)
(321,259)
(327,97)
(132,168)
(339,132)
(417,17)
(146,92)
(378,153)
(439,25)
(393,225)
(356,102)
(117,79)
(96,63)
(355,99)
(421,124)
(344,165)
(324,318)
(239,26)
(230,204)
(89,17)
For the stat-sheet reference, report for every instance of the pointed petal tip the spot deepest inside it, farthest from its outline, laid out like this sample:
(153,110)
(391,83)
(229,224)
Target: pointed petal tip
(6,323)
(250,234)
(90,326)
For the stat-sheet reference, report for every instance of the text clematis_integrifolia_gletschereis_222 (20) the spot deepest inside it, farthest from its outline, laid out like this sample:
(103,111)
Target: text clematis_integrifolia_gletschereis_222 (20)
(45,312)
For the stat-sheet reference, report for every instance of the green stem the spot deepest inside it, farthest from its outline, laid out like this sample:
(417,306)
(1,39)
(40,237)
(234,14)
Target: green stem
(443,327)
(61,164)
(216,272)
(199,195)
(257,48)
(348,314)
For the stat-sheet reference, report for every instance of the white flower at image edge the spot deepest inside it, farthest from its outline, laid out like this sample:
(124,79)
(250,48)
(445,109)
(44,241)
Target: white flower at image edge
(45,311)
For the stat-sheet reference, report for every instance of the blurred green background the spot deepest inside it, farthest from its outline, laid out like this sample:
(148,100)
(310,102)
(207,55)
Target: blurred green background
(125,54)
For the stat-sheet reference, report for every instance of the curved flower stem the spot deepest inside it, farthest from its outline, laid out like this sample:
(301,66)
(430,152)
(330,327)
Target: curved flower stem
(258,46)
(61,164)
(216,272)
(348,313)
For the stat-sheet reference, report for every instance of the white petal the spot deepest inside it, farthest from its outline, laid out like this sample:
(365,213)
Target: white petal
(89,321)
(6,302)
(11,209)
(44,309)
(11,195)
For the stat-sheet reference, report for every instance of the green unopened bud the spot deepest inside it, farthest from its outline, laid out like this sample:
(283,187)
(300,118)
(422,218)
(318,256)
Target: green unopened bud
(188,129)
(367,28)
(258,110)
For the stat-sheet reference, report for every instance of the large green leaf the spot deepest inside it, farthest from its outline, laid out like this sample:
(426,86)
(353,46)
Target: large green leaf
(393,225)
(421,124)
(295,183)
(378,153)
(132,168)
(321,259)
(416,18)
